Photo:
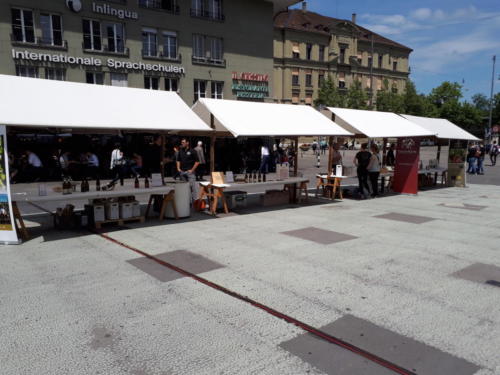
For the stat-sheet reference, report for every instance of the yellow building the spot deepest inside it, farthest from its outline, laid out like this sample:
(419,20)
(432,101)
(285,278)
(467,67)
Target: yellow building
(309,47)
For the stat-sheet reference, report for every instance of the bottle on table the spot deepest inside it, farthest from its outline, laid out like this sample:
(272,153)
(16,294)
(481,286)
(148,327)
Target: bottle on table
(254,176)
(66,186)
(136,182)
(246,177)
(259,178)
(98,184)
(146,183)
(264,177)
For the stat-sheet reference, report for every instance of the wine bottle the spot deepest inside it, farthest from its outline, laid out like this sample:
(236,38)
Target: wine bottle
(246,176)
(82,186)
(136,182)
(146,183)
(263,177)
(97,184)
(254,176)
(260,177)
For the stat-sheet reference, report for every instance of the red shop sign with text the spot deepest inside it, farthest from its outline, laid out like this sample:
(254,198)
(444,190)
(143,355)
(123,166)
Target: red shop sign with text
(406,171)
(251,77)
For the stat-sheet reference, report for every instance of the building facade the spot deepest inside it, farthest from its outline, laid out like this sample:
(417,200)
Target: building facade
(198,48)
(309,48)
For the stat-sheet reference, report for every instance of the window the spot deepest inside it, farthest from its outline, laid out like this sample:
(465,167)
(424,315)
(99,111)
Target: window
(92,35)
(26,71)
(215,9)
(51,25)
(94,78)
(172,84)
(116,36)
(198,8)
(200,89)
(360,58)
(151,83)
(342,55)
(395,88)
(119,79)
(149,42)
(295,77)
(55,73)
(309,48)
(342,80)
(22,25)
(309,78)
(216,53)
(380,60)
(321,78)
(295,50)
(217,90)
(394,65)
(370,61)
(168,5)
(321,53)
(170,44)
(199,46)
(207,8)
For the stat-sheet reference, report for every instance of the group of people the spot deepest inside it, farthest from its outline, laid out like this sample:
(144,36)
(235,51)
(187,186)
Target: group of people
(476,154)
(368,168)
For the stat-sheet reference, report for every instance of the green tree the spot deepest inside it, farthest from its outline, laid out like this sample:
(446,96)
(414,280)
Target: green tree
(465,115)
(496,110)
(482,103)
(445,93)
(388,101)
(357,98)
(417,104)
(330,96)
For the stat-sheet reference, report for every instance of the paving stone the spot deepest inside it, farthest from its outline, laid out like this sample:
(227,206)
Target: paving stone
(414,219)
(480,273)
(318,235)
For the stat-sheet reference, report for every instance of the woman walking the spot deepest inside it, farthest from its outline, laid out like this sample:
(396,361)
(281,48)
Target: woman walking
(374,169)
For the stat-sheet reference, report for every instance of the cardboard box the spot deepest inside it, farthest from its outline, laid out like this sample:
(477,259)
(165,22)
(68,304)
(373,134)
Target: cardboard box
(98,212)
(126,210)
(112,211)
(136,209)
(274,198)
(235,199)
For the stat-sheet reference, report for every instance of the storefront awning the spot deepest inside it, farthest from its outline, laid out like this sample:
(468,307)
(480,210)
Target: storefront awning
(444,128)
(373,124)
(252,119)
(46,103)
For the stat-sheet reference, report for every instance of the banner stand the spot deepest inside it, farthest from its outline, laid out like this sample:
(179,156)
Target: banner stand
(406,170)
(8,233)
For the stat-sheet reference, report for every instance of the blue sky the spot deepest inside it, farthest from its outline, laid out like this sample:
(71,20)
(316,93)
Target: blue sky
(451,40)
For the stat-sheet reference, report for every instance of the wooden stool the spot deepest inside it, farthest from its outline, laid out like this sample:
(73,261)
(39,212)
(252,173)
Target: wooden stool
(303,189)
(320,183)
(213,193)
(166,199)
(20,228)
(335,184)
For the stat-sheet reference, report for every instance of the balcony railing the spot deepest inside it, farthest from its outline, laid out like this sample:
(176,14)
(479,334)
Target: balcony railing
(40,42)
(208,14)
(162,5)
(208,61)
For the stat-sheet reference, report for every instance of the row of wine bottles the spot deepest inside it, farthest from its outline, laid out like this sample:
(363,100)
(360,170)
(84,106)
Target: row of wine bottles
(68,186)
(254,177)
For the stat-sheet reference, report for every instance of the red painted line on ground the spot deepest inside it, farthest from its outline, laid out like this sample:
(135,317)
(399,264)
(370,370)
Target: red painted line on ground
(325,336)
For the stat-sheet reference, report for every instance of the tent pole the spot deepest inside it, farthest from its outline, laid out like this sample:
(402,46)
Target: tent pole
(296,164)
(212,144)
(162,165)
(439,150)
(384,151)
(330,155)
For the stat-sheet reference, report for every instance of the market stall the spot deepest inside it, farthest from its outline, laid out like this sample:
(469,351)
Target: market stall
(457,139)
(385,125)
(31,103)
(231,118)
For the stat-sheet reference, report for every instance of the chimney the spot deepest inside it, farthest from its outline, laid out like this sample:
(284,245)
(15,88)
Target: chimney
(354,18)
(304,6)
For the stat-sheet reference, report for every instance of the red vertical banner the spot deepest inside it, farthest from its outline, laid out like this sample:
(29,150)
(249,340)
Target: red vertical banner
(406,170)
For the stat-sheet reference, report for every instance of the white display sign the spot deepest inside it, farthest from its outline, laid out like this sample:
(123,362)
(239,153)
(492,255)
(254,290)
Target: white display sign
(338,170)
(229,177)
(8,234)
(156,180)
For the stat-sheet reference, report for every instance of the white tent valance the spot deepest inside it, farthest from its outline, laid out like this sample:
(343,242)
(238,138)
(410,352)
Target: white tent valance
(252,119)
(375,124)
(444,128)
(46,103)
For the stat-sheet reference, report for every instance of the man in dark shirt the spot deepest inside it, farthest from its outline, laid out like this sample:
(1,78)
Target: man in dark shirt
(361,160)
(187,162)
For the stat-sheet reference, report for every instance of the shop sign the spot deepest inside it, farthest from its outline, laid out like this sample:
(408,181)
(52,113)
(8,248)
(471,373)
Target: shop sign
(406,170)
(250,85)
(250,77)
(96,62)
(8,234)
(110,11)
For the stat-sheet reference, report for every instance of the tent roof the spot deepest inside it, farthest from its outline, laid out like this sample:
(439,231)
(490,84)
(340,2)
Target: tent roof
(46,103)
(375,124)
(253,119)
(443,128)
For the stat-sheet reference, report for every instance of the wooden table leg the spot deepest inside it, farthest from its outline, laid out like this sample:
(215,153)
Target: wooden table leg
(220,194)
(22,228)
(151,197)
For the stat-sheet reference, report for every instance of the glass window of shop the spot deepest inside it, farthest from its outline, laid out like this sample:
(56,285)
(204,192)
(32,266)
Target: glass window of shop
(172,84)
(51,25)
(151,83)
(119,79)
(200,89)
(149,42)
(115,33)
(22,25)
(170,44)
(26,71)
(95,78)
(217,91)
(92,35)
(57,74)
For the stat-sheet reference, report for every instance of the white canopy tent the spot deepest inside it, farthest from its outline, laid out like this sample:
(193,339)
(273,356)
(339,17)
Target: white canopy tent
(36,102)
(373,124)
(252,119)
(444,128)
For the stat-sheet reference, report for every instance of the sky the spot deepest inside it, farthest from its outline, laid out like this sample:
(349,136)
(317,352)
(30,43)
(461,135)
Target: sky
(452,40)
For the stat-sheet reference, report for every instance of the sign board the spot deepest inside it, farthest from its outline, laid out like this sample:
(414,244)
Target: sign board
(456,163)
(8,233)
(250,85)
(406,170)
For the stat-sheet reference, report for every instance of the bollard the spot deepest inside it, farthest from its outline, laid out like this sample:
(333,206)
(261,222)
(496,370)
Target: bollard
(318,164)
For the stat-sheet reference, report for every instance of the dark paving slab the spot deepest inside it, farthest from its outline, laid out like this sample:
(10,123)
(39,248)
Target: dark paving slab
(414,219)
(464,206)
(186,260)
(480,273)
(321,236)
(400,350)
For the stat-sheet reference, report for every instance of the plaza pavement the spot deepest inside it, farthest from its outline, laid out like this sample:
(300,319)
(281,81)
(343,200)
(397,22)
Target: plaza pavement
(77,303)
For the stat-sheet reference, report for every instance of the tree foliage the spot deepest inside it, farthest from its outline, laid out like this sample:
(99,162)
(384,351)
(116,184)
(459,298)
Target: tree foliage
(357,98)
(330,96)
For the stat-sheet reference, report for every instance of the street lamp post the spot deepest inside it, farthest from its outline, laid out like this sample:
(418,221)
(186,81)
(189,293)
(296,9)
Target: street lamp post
(491,96)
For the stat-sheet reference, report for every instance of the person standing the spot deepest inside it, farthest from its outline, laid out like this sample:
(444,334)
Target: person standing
(336,157)
(264,157)
(187,162)
(92,165)
(374,169)
(494,150)
(361,161)
(480,153)
(34,167)
(201,159)
(391,159)
(471,159)
(117,165)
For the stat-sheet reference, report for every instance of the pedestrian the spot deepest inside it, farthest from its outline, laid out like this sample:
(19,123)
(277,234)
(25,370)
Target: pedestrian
(201,158)
(361,161)
(117,165)
(494,150)
(34,167)
(374,169)
(336,157)
(92,165)
(264,159)
(480,153)
(471,159)
(136,164)
(390,158)
(187,162)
